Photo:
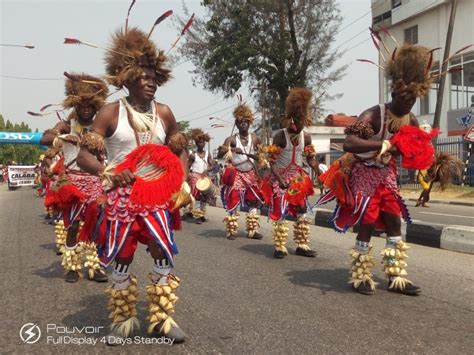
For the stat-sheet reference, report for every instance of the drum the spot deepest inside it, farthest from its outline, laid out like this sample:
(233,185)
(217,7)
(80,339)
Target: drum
(206,187)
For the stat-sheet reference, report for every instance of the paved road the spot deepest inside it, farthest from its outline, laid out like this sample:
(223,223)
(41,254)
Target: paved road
(236,298)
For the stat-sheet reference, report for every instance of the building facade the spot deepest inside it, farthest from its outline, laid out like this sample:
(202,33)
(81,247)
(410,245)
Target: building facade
(425,22)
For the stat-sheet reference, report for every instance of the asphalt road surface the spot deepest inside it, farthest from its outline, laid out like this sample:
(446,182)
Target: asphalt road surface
(235,297)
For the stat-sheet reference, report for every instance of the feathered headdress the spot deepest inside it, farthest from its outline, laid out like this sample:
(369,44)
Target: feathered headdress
(197,134)
(243,112)
(297,107)
(446,168)
(80,88)
(409,66)
(409,70)
(130,51)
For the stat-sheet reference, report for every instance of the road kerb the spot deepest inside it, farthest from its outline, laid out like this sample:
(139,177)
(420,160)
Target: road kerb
(458,238)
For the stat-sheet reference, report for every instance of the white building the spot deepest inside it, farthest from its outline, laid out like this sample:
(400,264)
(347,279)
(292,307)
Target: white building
(425,22)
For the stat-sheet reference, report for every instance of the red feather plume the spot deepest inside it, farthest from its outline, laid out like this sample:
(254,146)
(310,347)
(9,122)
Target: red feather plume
(463,49)
(161,189)
(375,42)
(415,146)
(34,113)
(159,20)
(71,41)
(456,69)
(163,17)
(128,14)
(45,107)
(188,24)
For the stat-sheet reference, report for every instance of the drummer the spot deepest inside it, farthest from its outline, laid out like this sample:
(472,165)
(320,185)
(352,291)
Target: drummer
(201,163)
(240,179)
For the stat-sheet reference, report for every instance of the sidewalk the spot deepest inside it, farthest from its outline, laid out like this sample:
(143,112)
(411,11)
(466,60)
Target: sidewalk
(455,195)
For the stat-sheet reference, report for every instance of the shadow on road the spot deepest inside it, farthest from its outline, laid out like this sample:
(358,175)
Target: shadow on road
(48,246)
(327,280)
(212,233)
(92,313)
(53,271)
(260,249)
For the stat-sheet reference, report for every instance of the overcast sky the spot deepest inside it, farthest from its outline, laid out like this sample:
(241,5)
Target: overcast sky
(44,24)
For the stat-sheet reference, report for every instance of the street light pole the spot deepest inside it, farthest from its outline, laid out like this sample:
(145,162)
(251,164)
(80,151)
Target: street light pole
(444,67)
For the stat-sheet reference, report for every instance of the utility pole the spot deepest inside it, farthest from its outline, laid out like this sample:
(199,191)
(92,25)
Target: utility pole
(444,68)
(265,119)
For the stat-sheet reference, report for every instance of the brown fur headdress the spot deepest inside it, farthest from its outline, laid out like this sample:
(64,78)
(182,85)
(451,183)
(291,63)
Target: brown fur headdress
(409,70)
(446,168)
(243,113)
(130,51)
(297,107)
(197,134)
(80,88)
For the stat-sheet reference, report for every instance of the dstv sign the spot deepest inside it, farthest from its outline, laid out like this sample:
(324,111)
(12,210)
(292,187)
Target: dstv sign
(20,138)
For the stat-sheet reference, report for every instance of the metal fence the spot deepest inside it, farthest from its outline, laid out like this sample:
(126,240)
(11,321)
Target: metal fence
(455,146)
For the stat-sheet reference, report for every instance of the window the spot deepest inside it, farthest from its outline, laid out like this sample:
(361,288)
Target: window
(396,3)
(411,35)
(462,82)
(387,15)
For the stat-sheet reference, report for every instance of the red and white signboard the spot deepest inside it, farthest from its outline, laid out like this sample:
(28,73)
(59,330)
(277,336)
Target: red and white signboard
(469,136)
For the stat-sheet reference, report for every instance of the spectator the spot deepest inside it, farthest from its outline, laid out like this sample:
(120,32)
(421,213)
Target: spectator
(322,169)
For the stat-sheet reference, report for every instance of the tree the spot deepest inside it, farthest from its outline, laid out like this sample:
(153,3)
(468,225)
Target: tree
(273,44)
(183,126)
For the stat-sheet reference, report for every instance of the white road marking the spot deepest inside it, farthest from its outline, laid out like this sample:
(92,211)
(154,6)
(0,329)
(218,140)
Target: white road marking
(445,214)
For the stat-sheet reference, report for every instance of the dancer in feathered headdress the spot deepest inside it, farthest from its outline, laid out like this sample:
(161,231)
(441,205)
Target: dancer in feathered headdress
(144,146)
(287,188)
(75,190)
(364,181)
(240,179)
(200,164)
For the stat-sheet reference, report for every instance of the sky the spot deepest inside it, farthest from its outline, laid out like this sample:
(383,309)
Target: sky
(44,24)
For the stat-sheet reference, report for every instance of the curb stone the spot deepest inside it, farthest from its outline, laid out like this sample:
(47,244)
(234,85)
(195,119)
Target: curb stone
(453,238)
(440,202)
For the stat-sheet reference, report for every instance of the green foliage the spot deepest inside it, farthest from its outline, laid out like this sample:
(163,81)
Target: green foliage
(25,154)
(271,45)
(183,126)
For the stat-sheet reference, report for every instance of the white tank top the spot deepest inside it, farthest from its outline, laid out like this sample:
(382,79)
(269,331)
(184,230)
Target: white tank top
(291,154)
(199,164)
(123,141)
(240,161)
(70,151)
(380,135)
